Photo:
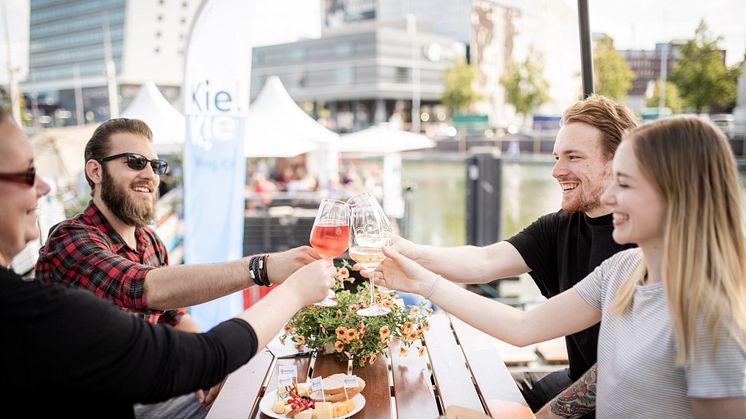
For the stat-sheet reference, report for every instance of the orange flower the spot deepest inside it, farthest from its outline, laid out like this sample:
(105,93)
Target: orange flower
(288,329)
(351,334)
(343,273)
(421,350)
(373,359)
(354,307)
(338,346)
(414,311)
(299,340)
(299,347)
(387,303)
(385,332)
(341,332)
(339,314)
(359,344)
(403,350)
(360,326)
(426,325)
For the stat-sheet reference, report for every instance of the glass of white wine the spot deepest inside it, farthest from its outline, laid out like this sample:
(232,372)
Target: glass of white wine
(367,199)
(367,238)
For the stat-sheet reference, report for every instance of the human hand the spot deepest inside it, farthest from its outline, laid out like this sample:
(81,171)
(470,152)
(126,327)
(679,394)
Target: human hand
(281,265)
(398,243)
(401,273)
(207,399)
(312,282)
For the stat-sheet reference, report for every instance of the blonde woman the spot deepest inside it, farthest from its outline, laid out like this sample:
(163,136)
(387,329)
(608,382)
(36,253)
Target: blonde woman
(672,341)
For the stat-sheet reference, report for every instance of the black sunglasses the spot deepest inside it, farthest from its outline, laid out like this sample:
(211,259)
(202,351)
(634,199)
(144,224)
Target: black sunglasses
(27,178)
(138,162)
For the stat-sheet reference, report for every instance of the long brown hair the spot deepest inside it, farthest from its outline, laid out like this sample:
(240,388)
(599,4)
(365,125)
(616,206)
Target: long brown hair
(690,162)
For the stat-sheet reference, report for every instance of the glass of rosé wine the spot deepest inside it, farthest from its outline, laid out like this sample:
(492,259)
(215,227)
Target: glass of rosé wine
(330,234)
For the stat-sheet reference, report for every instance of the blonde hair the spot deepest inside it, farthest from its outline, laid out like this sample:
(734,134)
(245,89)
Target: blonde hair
(689,161)
(611,118)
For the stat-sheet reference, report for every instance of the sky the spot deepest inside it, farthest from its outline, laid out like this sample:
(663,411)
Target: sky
(633,24)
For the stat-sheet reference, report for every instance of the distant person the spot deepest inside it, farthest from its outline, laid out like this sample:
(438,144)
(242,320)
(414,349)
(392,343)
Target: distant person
(109,250)
(673,334)
(558,249)
(68,353)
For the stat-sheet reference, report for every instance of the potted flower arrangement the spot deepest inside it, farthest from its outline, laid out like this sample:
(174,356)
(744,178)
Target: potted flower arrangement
(340,330)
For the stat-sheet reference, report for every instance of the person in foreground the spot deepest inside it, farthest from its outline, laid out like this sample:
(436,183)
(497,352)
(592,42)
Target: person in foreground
(109,249)
(673,333)
(558,249)
(68,353)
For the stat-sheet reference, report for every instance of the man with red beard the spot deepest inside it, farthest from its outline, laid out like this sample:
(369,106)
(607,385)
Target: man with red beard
(109,250)
(558,249)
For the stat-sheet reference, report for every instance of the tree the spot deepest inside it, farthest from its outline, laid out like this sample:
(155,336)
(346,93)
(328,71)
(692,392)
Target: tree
(701,74)
(611,73)
(524,83)
(673,99)
(459,90)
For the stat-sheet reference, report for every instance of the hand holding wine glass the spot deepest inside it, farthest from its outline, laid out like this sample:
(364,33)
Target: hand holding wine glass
(367,238)
(330,234)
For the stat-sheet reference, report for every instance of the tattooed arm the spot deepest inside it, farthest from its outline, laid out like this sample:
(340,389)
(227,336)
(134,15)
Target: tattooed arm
(575,401)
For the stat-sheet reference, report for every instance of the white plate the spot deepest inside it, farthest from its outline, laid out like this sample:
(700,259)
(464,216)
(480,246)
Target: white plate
(265,405)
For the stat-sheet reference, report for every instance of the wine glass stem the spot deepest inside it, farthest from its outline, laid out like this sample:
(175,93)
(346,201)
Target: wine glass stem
(372,287)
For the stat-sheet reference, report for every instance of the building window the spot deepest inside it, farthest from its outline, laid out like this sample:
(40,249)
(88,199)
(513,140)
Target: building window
(401,75)
(343,75)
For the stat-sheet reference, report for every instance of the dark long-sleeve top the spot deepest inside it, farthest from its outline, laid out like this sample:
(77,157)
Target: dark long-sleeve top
(69,353)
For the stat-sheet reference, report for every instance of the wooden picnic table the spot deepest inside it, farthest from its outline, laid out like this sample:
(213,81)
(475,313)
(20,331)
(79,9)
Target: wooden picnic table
(461,367)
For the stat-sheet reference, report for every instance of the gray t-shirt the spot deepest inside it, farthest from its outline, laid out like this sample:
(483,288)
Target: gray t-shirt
(637,372)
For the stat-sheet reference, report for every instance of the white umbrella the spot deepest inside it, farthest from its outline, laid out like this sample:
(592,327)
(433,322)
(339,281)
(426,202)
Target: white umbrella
(383,139)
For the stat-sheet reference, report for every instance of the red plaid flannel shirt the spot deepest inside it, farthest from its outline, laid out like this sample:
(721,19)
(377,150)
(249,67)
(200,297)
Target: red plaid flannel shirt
(86,252)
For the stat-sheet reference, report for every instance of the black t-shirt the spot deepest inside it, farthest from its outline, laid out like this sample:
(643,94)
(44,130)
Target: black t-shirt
(561,249)
(69,353)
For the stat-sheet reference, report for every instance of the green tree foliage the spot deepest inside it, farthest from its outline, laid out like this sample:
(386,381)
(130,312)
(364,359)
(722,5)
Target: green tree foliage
(611,73)
(524,83)
(459,91)
(701,74)
(673,99)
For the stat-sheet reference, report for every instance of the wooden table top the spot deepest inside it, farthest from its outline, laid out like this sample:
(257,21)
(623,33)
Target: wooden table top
(461,367)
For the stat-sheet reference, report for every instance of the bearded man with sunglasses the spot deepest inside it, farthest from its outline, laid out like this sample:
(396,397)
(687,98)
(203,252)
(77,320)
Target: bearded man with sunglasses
(109,249)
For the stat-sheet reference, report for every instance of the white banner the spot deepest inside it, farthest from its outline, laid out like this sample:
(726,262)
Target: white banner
(216,98)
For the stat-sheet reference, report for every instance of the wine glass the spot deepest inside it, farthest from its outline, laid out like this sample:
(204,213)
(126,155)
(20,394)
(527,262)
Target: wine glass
(367,198)
(367,238)
(329,235)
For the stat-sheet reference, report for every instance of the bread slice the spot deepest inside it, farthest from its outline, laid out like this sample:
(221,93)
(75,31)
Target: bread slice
(334,390)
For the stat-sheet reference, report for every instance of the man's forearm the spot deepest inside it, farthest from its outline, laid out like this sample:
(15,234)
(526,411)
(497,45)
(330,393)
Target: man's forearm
(172,287)
(577,400)
(471,264)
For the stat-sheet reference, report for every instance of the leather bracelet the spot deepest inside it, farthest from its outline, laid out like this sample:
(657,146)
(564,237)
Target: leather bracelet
(432,287)
(257,270)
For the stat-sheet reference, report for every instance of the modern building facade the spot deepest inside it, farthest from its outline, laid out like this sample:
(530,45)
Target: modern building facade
(493,32)
(361,74)
(71,43)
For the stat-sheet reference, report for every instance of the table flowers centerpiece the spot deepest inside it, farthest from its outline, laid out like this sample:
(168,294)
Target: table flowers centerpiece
(340,330)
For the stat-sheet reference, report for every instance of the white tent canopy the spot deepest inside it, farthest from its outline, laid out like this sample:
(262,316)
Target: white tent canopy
(383,139)
(164,120)
(277,127)
(58,154)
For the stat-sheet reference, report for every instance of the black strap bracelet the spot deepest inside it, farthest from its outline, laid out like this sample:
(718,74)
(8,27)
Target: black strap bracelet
(258,270)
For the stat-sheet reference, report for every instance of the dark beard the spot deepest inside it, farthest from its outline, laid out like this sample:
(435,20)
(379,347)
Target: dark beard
(118,201)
